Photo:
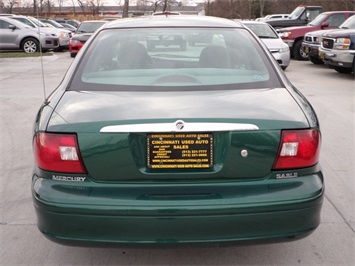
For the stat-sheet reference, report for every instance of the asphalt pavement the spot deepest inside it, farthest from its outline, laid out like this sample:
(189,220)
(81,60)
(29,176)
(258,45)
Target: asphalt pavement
(22,90)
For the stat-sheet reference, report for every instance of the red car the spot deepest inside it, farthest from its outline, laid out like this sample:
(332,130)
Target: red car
(82,34)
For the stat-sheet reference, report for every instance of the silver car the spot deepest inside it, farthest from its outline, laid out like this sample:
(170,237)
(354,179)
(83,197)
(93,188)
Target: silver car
(62,34)
(15,35)
(272,40)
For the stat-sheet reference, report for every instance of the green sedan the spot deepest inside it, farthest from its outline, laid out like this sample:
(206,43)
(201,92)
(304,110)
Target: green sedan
(176,144)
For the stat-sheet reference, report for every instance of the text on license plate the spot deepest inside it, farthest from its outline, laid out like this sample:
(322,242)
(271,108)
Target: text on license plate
(180,150)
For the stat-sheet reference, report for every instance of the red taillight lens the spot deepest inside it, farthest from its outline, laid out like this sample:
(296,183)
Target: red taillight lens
(298,149)
(58,153)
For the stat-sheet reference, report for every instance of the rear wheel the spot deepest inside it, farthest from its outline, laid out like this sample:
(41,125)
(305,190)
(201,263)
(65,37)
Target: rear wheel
(298,52)
(30,46)
(316,61)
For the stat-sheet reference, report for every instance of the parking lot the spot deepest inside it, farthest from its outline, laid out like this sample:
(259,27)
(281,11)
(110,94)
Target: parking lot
(22,90)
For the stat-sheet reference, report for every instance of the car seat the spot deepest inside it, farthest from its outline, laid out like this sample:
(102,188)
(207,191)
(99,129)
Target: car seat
(214,56)
(133,55)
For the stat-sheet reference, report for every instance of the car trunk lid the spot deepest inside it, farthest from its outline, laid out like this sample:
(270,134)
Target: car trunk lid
(131,136)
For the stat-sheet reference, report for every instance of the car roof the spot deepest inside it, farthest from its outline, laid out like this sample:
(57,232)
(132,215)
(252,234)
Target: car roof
(12,15)
(253,22)
(165,13)
(173,21)
(338,12)
(6,18)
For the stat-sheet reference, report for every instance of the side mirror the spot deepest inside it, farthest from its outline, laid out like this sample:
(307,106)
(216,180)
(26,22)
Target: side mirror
(12,27)
(324,24)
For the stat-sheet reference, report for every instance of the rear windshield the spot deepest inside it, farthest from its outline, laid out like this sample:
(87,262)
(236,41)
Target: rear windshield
(174,59)
(89,27)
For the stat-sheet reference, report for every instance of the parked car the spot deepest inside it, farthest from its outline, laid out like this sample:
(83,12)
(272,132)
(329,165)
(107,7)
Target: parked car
(68,27)
(158,42)
(272,40)
(275,16)
(300,16)
(312,40)
(15,35)
(53,23)
(338,50)
(72,22)
(293,36)
(82,34)
(62,34)
(208,145)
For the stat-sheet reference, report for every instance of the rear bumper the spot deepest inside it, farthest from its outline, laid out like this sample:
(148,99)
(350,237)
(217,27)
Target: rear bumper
(85,214)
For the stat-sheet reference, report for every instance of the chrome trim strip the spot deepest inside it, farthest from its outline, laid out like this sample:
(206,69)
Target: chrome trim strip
(178,126)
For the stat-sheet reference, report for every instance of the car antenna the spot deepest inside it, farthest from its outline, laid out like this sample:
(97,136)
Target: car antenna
(41,57)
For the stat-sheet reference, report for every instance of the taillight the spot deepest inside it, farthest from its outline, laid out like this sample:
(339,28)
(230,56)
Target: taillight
(298,149)
(58,153)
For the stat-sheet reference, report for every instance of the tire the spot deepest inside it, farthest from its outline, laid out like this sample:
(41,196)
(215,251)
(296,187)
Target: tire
(58,49)
(30,46)
(343,69)
(298,52)
(72,55)
(315,60)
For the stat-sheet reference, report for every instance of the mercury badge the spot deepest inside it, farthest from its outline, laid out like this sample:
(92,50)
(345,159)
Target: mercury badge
(179,125)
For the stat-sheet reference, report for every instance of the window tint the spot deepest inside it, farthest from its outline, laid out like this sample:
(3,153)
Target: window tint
(25,21)
(89,27)
(173,59)
(318,20)
(263,30)
(336,20)
(4,25)
(313,14)
(349,23)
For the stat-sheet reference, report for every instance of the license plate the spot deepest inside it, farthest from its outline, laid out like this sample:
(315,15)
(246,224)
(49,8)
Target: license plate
(322,55)
(180,151)
(306,49)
